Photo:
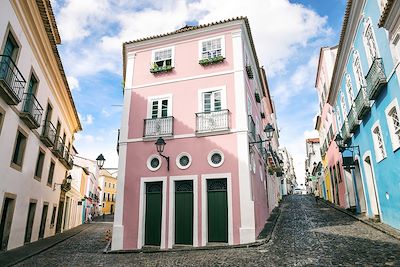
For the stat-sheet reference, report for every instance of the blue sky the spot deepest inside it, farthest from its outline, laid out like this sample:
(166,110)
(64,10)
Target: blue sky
(287,34)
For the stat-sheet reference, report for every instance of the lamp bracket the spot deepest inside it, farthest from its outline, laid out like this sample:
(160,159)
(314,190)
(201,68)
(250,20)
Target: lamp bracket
(167,159)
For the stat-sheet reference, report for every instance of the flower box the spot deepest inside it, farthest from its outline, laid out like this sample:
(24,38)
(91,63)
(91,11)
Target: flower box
(158,69)
(209,61)
(257,96)
(249,71)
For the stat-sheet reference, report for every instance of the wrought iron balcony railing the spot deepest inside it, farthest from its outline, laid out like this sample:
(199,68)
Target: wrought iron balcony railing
(12,83)
(375,78)
(362,103)
(212,121)
(353,120)
(48,136)
(58,148)
(67,159)
(32,111)
(252,128)
(158,127)
(345,132)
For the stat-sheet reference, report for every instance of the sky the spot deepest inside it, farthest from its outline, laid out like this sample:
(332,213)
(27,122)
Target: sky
(288,35)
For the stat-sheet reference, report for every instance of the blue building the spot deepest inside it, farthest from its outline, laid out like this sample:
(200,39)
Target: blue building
(365,92)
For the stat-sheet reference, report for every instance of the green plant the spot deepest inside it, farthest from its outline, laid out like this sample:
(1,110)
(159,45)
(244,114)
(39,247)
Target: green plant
(156,69)
(249,71)
(257,96)
(212,60)
(262,115)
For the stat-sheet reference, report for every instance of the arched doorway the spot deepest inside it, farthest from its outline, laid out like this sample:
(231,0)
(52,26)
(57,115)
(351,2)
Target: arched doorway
(370,178)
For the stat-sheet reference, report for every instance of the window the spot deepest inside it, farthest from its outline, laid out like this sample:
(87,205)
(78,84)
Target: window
(393,119)
(39,165)
(163,57)
(113,197)
(212,48)
(160,106)
(113,185)
(349,89)
(249,107)
(104,195)
(358,73)
(11,47)
(215,158)
(344,108)
(108,197)
(379,145)
(369,42)
(154,162)
(183,160)
(51,173)
(109,185)
(339,119)
(2,115)
(212,101)
(396,45)
(19,150)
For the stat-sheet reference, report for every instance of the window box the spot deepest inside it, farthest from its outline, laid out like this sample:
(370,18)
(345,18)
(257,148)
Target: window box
(212,60)
(257,96)
(262,115)
(158,69)
(249,72)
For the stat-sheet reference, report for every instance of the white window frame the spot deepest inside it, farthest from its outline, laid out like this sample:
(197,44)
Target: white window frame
(356,57)
(200,46)
(149,159)
(200,103)
(338,117)
(349,90)
(212,153)
(177,161)
(343,104)
(159,98)
(393,136)
(153,54)
(368,23)
(378,155)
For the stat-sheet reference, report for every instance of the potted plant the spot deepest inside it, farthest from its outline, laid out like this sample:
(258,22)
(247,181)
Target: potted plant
(212,60)
(249,71)
(157,69)
(257,96)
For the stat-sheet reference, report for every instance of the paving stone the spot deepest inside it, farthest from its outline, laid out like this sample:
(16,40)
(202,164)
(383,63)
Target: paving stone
(306,234)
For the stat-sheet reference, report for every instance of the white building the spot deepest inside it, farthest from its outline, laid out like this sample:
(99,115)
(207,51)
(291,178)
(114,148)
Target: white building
(38,121)
(312,163)
(288,180)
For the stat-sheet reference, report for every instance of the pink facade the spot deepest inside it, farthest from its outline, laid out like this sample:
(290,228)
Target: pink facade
(204,114)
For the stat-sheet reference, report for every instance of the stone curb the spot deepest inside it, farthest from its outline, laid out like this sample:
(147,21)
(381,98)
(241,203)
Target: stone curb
(271,220)
(35,252)
(392,232)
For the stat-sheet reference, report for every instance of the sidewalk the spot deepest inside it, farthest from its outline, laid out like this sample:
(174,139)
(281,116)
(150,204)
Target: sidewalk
(19,254)
(377,225)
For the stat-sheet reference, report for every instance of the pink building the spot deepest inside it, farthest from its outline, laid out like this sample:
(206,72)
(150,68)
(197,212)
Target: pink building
(337,184)
(200,88)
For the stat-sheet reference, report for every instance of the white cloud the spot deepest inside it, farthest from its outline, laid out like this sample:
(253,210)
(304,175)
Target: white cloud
(311,134)
(73,83)
(88,120)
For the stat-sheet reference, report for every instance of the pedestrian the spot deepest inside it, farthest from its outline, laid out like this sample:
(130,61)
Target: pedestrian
(90,217)
(316,194)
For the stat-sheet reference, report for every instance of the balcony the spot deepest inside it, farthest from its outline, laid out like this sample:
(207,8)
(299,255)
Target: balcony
(252,128)
(362,104)
(353,120)
(32,111)
(345,133)
(58,148)
(213,121)
(67,159)
(12,83)
(375,78)
(158,127)
(48,136)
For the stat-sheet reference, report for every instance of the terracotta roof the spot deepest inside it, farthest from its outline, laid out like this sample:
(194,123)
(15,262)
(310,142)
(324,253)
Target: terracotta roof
(312,140)
(192,28)
(49,23)
(386,10)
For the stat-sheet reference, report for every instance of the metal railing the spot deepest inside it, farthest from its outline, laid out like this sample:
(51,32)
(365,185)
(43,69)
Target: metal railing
(68,158)
(158,126)
(12,78)
(375,78)
(345,133)
(32,108)
(252,128)
(212,121)
(353,120)
(49,133)
(362,104)
(58,148)
(260,145)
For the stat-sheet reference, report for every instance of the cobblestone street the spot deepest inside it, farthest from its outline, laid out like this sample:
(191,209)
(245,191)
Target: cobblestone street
(306,234)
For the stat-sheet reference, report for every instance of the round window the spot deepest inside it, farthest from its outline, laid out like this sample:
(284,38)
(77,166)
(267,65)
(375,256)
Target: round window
(183,160)
(154,162)
(215,158)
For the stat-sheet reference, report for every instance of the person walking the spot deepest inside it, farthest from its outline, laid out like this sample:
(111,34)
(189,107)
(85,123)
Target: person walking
(316,194)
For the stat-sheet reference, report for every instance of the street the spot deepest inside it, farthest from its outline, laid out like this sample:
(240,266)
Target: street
(306,233)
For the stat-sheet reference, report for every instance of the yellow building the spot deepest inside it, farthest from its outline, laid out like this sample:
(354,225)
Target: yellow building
(108,185)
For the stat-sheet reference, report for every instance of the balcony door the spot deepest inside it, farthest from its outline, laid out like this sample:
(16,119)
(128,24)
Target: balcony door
(10,53)
(212,101)
(159,108)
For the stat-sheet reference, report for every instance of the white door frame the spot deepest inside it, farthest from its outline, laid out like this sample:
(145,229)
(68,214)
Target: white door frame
(171,226)
(375,198)
(204,230)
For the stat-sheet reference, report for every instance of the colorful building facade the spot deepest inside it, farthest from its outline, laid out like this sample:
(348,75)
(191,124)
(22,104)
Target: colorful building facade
(365,93)
(200,88)
(108,184)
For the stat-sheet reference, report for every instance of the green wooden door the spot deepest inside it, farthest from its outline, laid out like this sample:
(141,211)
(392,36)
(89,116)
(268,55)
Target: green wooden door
(153,213)
(184,212)
(217,210)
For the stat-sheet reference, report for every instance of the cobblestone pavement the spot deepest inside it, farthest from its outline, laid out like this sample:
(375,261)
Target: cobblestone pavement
(306,234)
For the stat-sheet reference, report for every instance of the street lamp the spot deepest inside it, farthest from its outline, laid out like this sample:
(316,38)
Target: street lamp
(269,131)
(67,182)
(339,142)
(100,161)
(160,144)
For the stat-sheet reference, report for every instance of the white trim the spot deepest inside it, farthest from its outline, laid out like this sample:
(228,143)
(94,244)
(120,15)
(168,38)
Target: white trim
(150,100)
(215,151)
(373,180)
(204,217)
(177,160)
(360,166)
(200,93)
(148,163)
(171,219)
(367,23)
(142,209)
(200,46)
(153,53)
(378,155)
(393,137)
